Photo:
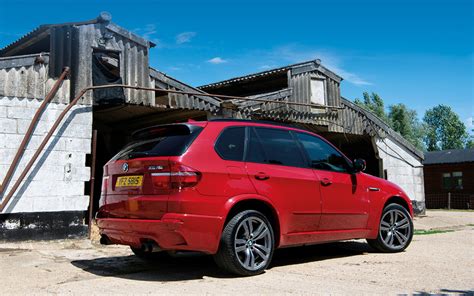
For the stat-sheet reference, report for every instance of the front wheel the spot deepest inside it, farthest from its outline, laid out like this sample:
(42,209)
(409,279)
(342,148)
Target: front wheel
(247,244)
(395,230)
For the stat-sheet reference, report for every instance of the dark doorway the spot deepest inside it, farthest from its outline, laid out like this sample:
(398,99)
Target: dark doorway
(115,124)
(357,146)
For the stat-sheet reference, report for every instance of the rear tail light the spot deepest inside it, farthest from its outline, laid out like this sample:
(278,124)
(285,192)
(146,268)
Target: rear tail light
(103,193)
(177,176)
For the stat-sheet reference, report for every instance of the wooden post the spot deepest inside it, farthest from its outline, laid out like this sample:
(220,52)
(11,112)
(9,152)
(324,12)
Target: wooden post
(92,181)
(449,200)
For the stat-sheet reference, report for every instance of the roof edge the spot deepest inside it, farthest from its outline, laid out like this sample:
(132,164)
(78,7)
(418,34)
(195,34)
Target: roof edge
(389,130)
(316,65)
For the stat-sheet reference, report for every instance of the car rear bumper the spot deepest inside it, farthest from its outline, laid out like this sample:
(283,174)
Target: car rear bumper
(172,232)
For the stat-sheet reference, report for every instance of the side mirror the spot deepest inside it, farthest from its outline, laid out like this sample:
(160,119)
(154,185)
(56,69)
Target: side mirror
(359,165)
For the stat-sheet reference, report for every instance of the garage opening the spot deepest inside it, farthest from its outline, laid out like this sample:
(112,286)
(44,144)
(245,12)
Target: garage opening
(115,124)
(357,146)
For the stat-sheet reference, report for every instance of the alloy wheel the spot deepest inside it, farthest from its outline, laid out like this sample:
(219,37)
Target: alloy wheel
(395,229)
(253,243)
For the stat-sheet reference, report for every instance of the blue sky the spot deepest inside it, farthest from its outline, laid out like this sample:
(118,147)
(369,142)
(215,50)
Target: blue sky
(420,53)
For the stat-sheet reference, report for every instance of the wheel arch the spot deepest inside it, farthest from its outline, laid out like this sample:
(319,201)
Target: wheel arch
(260,204)
(396,199)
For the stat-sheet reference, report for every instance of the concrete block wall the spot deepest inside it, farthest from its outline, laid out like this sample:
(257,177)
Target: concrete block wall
(56,181)
(403,169)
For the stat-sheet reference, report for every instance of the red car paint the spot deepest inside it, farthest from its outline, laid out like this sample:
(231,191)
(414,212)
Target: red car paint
(310,205)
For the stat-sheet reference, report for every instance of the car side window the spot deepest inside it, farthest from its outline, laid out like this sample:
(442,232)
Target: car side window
(322,155)
(231,144)
(274,146)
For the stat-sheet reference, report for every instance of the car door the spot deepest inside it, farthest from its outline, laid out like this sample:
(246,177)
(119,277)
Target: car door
(278,169)
(345,203)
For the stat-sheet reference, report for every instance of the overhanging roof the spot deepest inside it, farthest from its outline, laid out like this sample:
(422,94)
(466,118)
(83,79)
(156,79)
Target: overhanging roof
(300,67)
(449,156)
(44,30)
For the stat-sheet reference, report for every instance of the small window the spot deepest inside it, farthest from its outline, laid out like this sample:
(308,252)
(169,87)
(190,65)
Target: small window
(275,146)
(456,180)
(317,92)
(322,155)
(231,143)
(447,181)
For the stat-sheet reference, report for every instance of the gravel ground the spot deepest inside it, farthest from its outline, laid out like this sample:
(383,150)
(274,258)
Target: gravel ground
(434,263)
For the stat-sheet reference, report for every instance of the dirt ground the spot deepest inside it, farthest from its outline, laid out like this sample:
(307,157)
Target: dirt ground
(434,263)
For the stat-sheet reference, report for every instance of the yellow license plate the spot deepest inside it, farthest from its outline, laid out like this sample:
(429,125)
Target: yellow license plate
(129,181)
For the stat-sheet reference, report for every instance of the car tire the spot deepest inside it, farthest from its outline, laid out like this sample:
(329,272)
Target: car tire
(247,244)
(395,230)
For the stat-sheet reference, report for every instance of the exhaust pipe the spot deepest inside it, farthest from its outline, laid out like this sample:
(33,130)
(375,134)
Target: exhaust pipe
(105,240)
(150,247)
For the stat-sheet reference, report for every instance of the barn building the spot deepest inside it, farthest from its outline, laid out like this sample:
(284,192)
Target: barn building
(50,196)
(449,176)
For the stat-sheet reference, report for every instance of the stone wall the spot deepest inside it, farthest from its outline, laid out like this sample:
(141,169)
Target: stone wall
(403,169)
(57,179)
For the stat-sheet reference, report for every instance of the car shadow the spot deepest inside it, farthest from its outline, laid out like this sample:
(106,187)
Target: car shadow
(189,266)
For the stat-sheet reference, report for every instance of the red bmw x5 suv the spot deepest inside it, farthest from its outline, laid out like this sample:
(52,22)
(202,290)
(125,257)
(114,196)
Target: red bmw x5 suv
(241,189)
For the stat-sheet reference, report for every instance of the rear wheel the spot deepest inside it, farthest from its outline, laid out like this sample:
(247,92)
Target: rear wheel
(247,244)
(395,230)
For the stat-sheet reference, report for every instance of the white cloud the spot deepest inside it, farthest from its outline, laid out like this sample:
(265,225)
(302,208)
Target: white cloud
(295,54)
(173,68)
(148,32)
(217,60)
(267,67)
(184,37)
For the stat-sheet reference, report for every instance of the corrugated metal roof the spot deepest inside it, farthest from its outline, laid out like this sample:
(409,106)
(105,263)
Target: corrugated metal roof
(103,17)
(265,73)
(36,32)
(449,156)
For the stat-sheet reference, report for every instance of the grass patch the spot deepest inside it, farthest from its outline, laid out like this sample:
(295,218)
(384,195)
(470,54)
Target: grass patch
(431,231)
(470,224)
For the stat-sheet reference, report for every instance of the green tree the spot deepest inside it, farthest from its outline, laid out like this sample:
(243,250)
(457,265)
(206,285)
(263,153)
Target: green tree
(444,129)
(405,121)
(374,103)
(470,143)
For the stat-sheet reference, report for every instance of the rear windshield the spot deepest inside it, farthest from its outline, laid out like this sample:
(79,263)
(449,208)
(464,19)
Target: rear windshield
(171,140)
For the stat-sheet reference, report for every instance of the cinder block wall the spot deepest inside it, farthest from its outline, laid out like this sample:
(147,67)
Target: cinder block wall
(403,169)
(56,181)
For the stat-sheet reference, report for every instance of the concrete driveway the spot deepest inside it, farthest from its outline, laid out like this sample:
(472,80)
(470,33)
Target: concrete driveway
(434,263)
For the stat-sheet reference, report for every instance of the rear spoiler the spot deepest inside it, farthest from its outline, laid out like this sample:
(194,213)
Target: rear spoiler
(167,129)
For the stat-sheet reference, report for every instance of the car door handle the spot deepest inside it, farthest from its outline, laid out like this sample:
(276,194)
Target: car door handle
(326,182)
(262,176)
(373,189)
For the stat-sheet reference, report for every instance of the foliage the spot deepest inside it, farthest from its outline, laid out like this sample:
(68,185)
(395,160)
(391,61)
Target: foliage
(470,143)
(444,129)
(400,118)
(405,121)
(441,128)
(375,104)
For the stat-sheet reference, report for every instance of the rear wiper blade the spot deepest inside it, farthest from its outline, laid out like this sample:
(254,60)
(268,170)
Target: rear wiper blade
(139,154)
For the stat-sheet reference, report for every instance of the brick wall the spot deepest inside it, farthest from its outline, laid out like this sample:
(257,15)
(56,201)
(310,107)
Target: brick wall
(56,180)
